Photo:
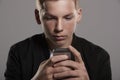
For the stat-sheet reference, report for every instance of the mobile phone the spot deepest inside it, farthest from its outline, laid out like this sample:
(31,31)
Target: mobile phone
(62,51)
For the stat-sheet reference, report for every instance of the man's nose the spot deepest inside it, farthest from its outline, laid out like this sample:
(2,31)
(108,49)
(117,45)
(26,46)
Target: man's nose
(59,26)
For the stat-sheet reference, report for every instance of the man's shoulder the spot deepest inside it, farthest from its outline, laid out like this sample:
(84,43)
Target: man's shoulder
(90,47)
(28,41)
(84,42)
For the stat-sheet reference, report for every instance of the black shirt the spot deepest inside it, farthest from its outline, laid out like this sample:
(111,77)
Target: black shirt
(25,57)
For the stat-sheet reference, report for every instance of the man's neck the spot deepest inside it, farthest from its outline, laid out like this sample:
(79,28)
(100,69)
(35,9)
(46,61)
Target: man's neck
(53,46)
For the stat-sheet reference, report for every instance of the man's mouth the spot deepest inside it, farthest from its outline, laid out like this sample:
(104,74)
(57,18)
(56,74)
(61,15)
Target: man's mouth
(59,38)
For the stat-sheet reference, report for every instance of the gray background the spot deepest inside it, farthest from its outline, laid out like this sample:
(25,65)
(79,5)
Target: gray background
(100,24)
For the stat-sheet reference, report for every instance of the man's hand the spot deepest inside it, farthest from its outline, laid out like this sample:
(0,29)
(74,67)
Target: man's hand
(46,69)
(68,69)
(59,67)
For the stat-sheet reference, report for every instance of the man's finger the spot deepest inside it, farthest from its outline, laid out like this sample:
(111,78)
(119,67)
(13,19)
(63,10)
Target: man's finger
(59,58)
(45,63)
(76,54)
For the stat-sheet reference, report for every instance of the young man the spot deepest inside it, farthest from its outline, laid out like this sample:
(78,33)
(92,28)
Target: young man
(33,58)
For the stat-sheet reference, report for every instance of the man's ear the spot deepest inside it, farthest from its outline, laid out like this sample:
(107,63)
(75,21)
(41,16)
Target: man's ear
(37,17)
(79,13)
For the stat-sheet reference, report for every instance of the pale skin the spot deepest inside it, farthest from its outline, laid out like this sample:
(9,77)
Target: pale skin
(59,23)
(59,67)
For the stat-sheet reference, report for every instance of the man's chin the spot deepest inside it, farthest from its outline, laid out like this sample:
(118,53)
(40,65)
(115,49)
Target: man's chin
(61,45)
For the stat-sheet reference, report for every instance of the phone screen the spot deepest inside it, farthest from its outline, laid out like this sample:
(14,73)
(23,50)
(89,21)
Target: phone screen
(62,51)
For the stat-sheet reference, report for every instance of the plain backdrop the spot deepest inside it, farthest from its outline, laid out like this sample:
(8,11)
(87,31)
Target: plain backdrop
(100,24)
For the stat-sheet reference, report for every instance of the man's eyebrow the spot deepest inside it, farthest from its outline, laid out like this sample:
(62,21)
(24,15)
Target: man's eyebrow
(70,14)
(48,14)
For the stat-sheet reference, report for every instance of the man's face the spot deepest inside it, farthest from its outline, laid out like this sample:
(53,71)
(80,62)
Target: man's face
(59,20)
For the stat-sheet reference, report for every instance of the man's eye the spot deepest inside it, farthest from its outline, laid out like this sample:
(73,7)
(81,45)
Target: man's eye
(68,18)
(48,18)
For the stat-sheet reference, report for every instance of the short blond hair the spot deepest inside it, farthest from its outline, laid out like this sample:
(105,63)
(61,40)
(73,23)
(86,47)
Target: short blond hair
(40,4)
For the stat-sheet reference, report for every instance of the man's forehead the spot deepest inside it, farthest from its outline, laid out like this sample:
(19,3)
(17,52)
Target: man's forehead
(40,4)
(60,7)
(55,1)
(42,1)
(51,0)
